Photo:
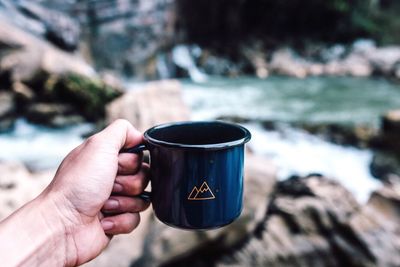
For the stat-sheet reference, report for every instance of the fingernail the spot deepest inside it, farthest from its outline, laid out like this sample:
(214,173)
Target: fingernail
(107,225)
(111,204)
(117,188)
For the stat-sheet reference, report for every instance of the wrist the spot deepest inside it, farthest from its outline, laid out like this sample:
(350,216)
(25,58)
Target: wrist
(52,214)
(35,235)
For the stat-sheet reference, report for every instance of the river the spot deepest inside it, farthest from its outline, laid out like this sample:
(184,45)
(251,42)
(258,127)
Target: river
(338,100)
(335,100)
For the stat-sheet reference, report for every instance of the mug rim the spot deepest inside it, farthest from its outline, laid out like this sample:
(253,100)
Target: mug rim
(216,146)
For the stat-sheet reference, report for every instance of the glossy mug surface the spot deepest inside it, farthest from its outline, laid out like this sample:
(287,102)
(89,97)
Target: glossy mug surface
(196,172)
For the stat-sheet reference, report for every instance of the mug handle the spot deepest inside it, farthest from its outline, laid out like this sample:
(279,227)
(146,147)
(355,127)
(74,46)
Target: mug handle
(146,196)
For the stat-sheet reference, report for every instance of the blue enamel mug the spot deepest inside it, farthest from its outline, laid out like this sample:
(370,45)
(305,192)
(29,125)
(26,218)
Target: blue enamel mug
(196,172)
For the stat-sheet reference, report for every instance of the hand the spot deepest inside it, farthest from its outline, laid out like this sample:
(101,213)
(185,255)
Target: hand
(81,189)
(91,198)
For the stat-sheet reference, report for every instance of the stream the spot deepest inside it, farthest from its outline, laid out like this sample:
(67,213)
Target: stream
(295,152)
(319,100)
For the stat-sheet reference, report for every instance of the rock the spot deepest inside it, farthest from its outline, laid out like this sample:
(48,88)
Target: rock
(387,201)
(396,71)
(311,221)
(18,186)
(385,165)
(334,53)
(334,68)
(354,135)
(356,65)
(36,59)
(6,104)
(363,46)
(256,55)
(315,69)
(53,76)
(164,243)
(53,114)
(353,65)
(152,104)
(391,122)
(24,96)
(89,96)
(112,80)
(386,160)
(384,59)
(133,35)
(7,111)
(387,139)
(60,29)
(219,65)
(284,62)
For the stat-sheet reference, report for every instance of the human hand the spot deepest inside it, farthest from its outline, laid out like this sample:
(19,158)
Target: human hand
(81,189)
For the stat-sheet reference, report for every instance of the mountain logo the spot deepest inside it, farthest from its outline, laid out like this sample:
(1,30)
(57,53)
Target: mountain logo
(204,193)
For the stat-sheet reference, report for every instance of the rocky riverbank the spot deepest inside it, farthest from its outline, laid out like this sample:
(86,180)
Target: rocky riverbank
(43,83)
(150,43)
(307,221)
(360,59)
(302,221)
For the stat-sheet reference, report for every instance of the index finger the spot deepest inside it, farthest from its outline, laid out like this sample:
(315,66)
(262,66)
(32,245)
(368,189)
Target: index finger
(123,134)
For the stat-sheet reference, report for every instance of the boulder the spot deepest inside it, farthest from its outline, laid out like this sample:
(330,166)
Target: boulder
(385,165)
(23,93)
(151,104)
(256,55)
(353,135)
(53,114)
(391,122)
(315,69)
(284,62)
(88,96)
(135,32)
(310,221)
(396,71)
(165,244)
(357,65)
(7,111)
(334,68)
(384,59)
(387,201)
(30,58)
(40,72)
(59,28)
(388,137)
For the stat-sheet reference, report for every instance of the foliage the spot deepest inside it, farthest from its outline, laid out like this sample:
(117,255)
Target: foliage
(290,21)
(88,95)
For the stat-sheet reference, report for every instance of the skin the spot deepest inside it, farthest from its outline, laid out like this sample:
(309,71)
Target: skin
(92,197)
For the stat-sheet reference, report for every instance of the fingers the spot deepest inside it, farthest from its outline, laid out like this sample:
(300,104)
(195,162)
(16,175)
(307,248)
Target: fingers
(129,163)
(122,133)
(132,185)
(120,224)
(121,204)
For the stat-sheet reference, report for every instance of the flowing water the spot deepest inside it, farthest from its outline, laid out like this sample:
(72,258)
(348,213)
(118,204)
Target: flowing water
(334,100)
(338,100)
(40,147)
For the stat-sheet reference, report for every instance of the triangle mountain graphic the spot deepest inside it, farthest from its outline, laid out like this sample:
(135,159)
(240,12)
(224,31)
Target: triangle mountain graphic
(204,193)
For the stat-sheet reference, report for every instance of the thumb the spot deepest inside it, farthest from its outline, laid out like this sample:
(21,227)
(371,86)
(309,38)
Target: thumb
(121,134)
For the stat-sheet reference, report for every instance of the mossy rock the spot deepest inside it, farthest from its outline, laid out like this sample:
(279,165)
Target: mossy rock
(88,95)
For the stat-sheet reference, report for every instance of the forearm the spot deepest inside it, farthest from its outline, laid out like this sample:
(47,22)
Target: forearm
(30,237)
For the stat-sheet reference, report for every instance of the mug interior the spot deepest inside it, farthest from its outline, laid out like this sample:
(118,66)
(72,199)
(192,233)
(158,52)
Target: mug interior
(198,134)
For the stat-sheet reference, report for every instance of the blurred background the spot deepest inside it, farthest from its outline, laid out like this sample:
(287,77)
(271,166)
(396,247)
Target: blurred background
(316,82)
